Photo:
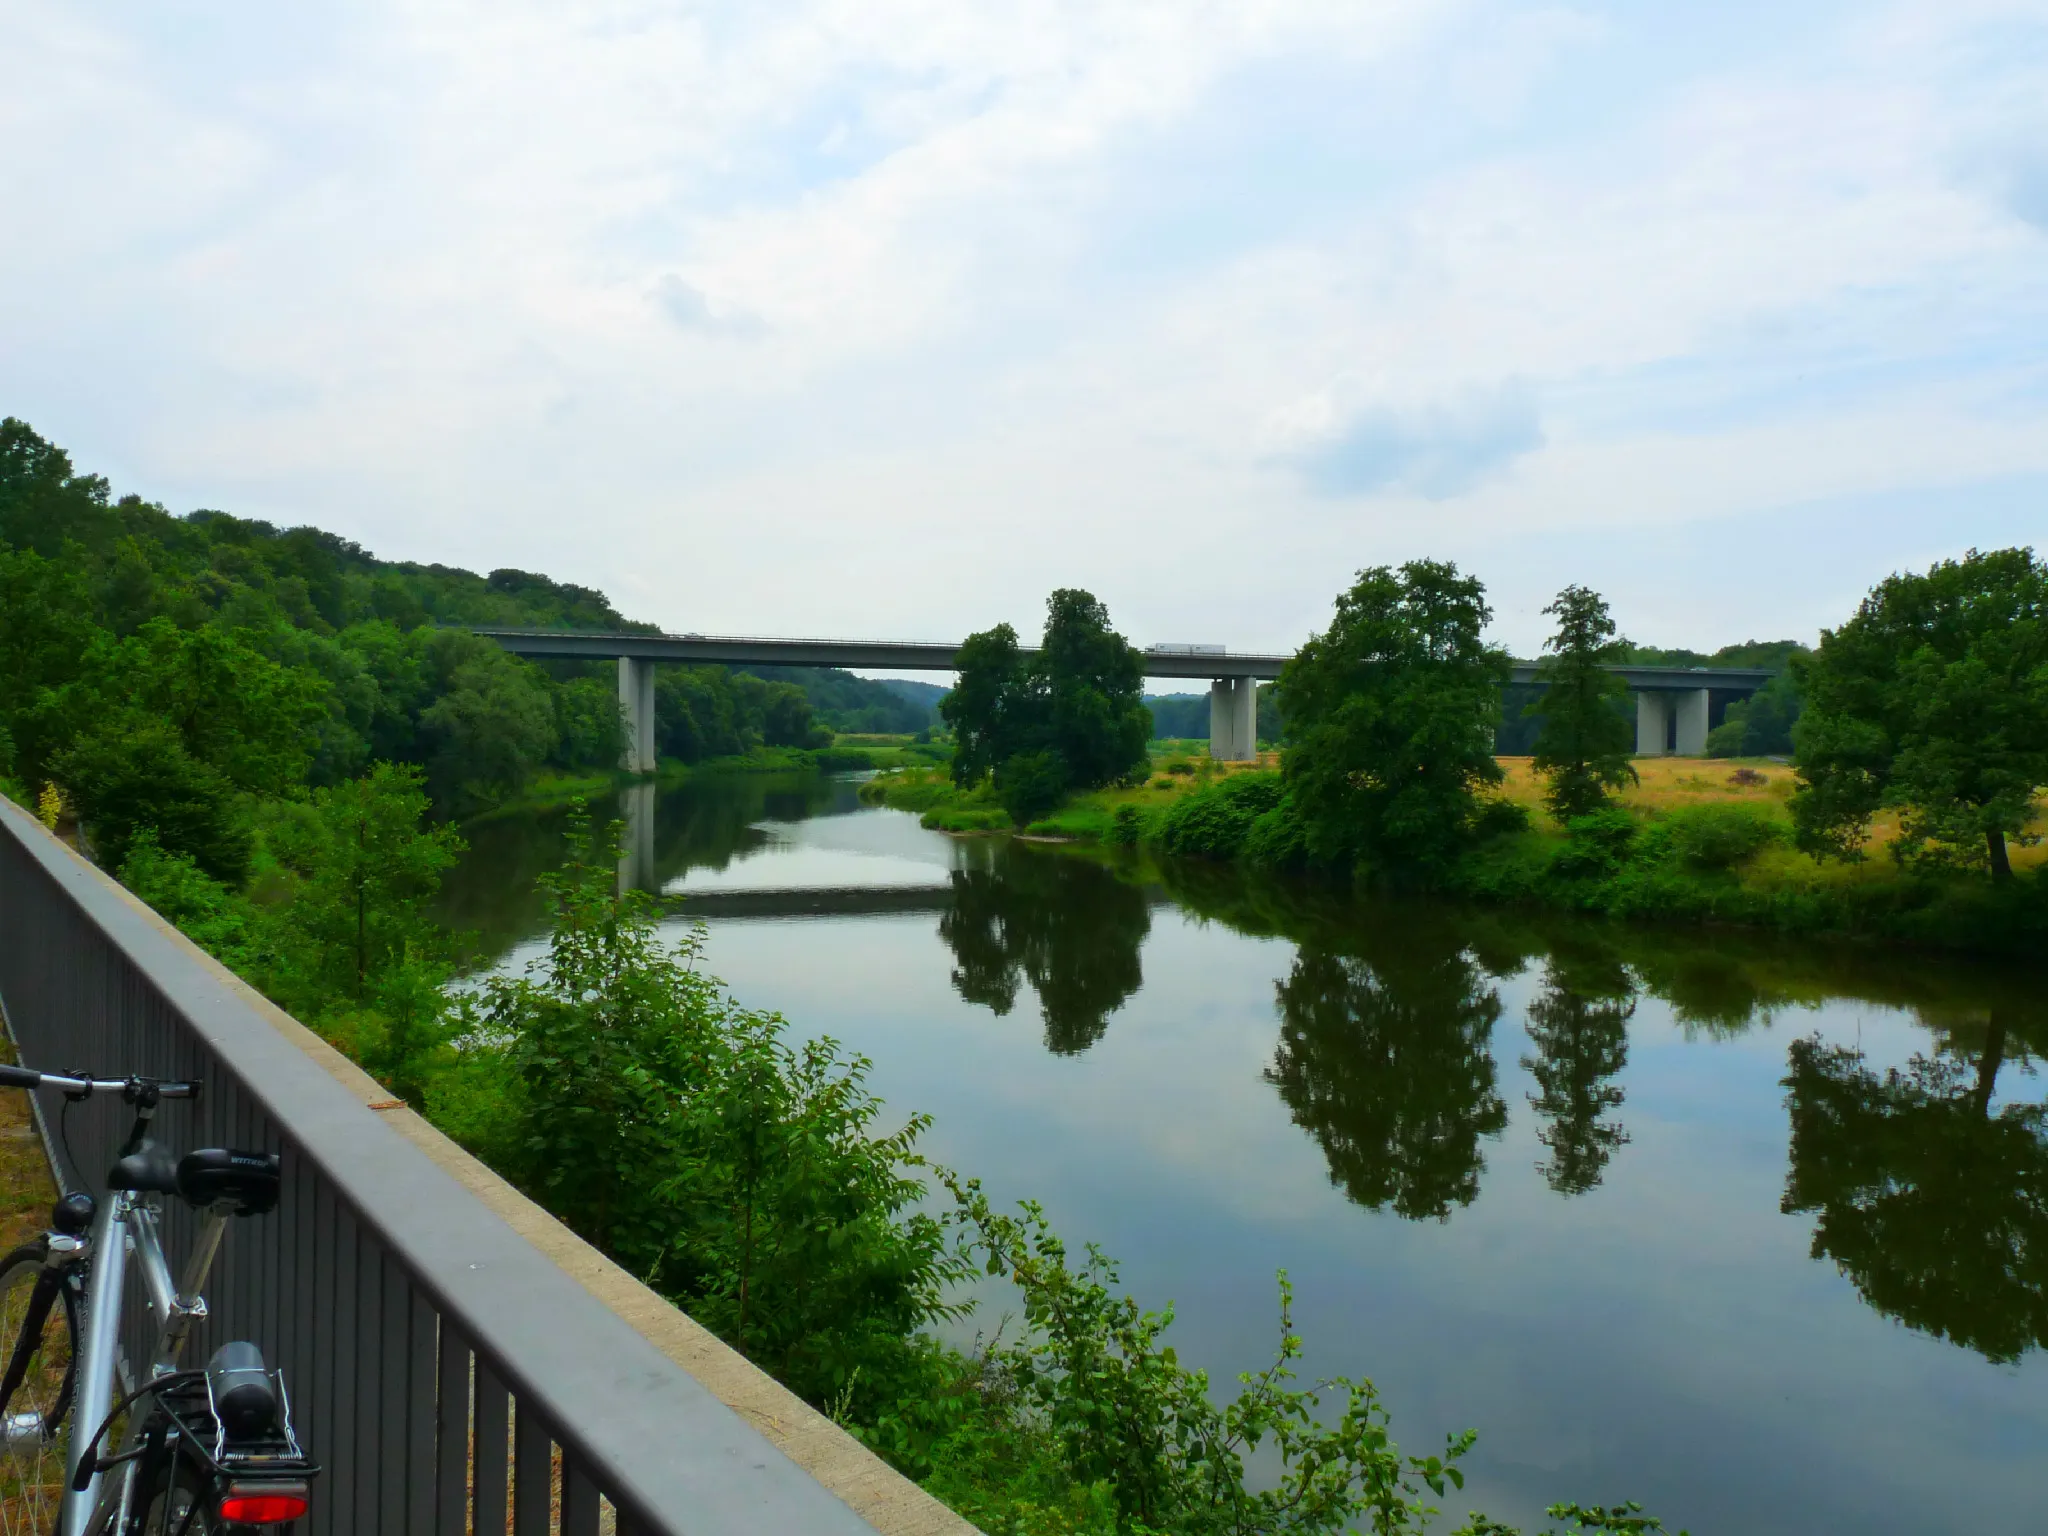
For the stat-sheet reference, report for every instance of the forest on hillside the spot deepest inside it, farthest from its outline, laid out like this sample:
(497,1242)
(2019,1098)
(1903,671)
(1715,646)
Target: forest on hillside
(199,662)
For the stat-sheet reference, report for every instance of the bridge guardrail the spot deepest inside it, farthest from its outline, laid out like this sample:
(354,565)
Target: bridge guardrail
(448,1374)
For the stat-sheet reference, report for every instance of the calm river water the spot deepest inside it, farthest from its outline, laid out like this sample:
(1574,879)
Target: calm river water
(1752,1231)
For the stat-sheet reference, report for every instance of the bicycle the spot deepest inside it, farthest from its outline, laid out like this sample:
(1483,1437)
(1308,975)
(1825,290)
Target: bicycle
(182,1452)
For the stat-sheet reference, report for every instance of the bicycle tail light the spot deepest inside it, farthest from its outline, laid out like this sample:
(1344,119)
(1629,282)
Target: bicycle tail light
(264,1503)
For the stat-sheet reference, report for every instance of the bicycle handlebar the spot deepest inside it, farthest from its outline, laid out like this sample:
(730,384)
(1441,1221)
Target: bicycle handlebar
(85,1087)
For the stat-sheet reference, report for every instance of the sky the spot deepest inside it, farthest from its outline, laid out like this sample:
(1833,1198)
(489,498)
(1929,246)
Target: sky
(884,319)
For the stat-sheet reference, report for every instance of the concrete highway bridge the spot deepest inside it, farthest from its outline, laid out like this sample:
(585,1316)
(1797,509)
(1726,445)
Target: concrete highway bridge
(1673,704)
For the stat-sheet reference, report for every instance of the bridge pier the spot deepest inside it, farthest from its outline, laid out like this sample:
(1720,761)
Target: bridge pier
(636,709)
(1672,722)
(1234,719)
(1653,723)
(1691,710)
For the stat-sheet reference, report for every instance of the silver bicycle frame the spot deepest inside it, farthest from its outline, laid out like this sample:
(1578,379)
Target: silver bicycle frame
(125,1225)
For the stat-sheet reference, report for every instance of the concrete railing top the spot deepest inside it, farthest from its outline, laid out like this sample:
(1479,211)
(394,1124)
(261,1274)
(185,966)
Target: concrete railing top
(1177,661)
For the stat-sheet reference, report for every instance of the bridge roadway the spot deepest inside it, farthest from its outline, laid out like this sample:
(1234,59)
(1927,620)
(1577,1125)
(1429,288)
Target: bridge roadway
(1672,703)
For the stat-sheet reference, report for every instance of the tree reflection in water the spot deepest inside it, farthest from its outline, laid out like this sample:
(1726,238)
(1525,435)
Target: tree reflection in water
(1933,1206)
(1384,1056)
(1068,928)
(1579,1027)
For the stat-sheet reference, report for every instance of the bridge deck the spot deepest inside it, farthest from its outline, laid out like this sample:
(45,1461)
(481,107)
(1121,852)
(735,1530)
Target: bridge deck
(942,656)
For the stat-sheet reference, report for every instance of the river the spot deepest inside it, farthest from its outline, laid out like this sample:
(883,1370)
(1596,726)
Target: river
(1753,1231)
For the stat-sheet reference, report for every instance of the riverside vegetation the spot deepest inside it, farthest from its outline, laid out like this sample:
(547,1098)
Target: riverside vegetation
(266,736)
(1921,736)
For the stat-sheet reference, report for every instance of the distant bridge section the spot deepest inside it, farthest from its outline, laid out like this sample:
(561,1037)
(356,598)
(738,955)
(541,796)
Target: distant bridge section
(1673,704)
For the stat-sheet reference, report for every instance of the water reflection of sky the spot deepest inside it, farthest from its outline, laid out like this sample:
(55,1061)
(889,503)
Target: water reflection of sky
(1665,1336)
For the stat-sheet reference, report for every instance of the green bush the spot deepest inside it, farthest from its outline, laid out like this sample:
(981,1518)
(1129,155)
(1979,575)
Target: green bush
(1595,845)
(1125,827)
(1031,784)
(1713,837)
(1501,818)
(1213,822)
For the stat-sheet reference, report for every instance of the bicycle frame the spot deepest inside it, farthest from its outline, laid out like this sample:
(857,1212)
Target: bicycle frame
(125,1226)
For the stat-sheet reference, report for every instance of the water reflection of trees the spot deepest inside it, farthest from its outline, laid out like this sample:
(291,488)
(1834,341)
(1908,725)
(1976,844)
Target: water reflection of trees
(1578,1025)
(1069,929)
(1934,1206)
(1385,1057)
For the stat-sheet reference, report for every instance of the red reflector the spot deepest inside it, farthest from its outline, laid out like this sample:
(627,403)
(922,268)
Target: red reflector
(262,1508)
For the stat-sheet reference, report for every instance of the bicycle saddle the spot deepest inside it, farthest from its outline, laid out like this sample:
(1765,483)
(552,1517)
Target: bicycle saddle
(149,1170)
(243,1183)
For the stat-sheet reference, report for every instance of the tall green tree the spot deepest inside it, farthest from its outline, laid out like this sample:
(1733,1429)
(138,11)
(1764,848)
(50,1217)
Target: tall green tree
(1583,746)
(368,865)
(1070,716)
(1932,700)
(1391,714)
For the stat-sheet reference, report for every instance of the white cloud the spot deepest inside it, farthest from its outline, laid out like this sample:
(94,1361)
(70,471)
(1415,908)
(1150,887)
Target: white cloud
(781,317)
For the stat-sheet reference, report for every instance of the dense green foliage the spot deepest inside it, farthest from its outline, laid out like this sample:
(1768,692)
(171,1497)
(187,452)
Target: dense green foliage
(1583,748)
(1391,715)
(179,672)
(1068,716)
(1933,700)
(1761,725)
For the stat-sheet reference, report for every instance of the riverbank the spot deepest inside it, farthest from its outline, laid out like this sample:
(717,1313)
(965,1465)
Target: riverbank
(1703,840)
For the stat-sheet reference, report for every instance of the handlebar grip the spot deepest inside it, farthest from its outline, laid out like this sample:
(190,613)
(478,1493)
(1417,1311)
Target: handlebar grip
(19,1077)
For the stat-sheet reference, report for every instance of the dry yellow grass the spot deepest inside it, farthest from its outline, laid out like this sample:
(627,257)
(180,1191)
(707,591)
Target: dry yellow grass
(1670,782)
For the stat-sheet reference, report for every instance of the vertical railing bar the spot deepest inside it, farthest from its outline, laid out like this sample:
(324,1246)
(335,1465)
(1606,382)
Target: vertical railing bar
(395,1406)
(579,1498)
(451,1431)
(532,1473)
(493,1425)
(368,1383)
(421,1418)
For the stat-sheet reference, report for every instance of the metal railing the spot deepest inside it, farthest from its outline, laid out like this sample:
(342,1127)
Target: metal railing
(448,1374)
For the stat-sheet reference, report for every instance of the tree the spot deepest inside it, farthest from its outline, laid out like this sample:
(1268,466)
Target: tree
(1932,700)
(1071,716)
(1760,725)
(1391,715)
(1936,1208)
(368,868)
(1583,747)
(1579,1026)
(1386,1057)
(136,773)
(491,726)
(991,706)
(1097,723)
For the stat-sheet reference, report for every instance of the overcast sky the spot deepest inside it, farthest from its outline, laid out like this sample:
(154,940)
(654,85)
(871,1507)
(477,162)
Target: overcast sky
(884,317)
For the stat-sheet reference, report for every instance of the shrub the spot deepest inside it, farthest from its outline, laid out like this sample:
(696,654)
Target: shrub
(1182,766)
(1125,827)
(1595,845)
(1031,784)
(1716,837)
(1748,778)
(1214,821)
(1501,818)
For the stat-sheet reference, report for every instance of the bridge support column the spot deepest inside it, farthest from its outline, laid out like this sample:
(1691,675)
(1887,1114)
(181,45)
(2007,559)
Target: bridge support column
(1234,719)
(636,709)
(1653,723)
(1691,709)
